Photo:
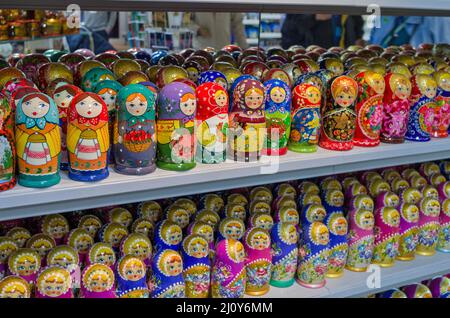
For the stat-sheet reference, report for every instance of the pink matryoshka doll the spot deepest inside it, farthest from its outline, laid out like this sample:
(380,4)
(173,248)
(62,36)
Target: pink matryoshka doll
(81,241)
(338,246)
(88,138)
(439,286)
(429,226)
(339,117)
(395,108)
(102,253)
(131,278)
(7,246)
(441,122)
(167,280)
(229,274)
(138,245)
(97,281)
(7,146)
(66,257)
(443,244)
(284,240)
(387,198)
(387,221)
(409,218)
(14,287)
(25,263)
(54,282)
(211,122)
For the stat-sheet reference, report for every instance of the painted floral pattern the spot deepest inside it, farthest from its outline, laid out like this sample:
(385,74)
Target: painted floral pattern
(360,253)
(337,258)
(313,270)
(408,242)
(386,251)
(444,237)
(258,275)
(428,235)
(197,282)
(284,269)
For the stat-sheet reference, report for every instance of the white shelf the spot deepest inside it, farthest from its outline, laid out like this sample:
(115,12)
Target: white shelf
(354,284)
(250,22)
(71,195)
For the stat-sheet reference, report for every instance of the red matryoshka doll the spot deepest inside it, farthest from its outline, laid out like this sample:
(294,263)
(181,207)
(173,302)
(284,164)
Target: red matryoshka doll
(429,226)
(38,141)
(54,282)
(339,117)
(369,106)
(14,287)
(25,263)
(417,291)
(167,275)
(338,246)
(97,281)
(56,226)
(247,121)
(102,253)
(228,277)
(138,245)
(88,138)
(131,278)
(396,107)
(441,120)
(409,218)
(7,146)
(387,222)
(41,243)
(66,257)
(284,240)
(81,241)
(63,96)
(7,246)
(211,122)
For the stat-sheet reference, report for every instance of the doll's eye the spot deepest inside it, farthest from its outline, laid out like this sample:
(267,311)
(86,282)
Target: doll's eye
(129,272)
(112,97)
(95,104)
(21,268)
(82,103)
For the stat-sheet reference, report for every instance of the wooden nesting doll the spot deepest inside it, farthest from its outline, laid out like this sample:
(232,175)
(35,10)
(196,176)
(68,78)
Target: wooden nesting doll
(167,280)
(261,220)
(38,141)
(66,257)
(338,246)
(278,117)
(90,223)
(211,122)
(417,291)
(231,228)
(134,131)
(7,246)
(441,122)
(88,138)
(305,118)
(204,230)
(138,245)
(178,215)
(41,243)
(151,210)
(95,75)
(131,278)
(409,230)
(54,282)
(113,233)
(212,202)
(14,287)
(168,235)
(56,226)
(25,263)
(284,240)
(443,244)
(7,146)
(312,213)
(429,226)
(228,277)
(102,253)
(333,201)
(97,281)
(81,241)
(387,221)
(247,121)
(176,109)
(212,76)
(339,117)
(369,106)
(423,106)
(387,198)
(235,83)
(197,266)
(395,108)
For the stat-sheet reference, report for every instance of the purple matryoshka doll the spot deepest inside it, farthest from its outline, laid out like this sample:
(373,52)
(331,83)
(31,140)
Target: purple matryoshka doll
(235,83)
(197,266)
(443,244)
(26,263)
(66,257)
(429,226)
(167,280)
(313,255)
(439,286)
(409,218)
(387,221)
(102,253)
(7,146)
(168,235)
(131,281)
(228,274)
(138,245)
(7,246)
(80,240)
(338,246)
(360,239)
(134,131)
(97,281)
(231,228)
(284,240)
(14,287)
(54,282)
(417,291)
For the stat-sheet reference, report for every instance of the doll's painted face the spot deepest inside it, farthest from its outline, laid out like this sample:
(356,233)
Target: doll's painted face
(313,95)
(188,104)
(6,248)
(365,219)
(320,234)
(105,256)
(42,246)
(151,210)
(427,85)
(174,235)
(64,260)
(316,213)
(173,265)
(260,241)
(291,216)
(63,99)
(264,222)
(193,74)
(198,248)
(214,203)
(133,269)
(254,98)
(289,234)
(334,66)
(27,265)
(281,76)
(430,192)
(205,231)
(401,86)
(35,108)
(122,216)
(221,98)
(339,226)
(391,200)
(233,230)
(410,212)
(99,281)
(311,198)
(88,107)
(181,217)
(365,202)
(278,94)
(144,227)
(116,236)
(391,216)
(376,81)
(238,211)
(91,225)
(83,242)
(136,104)
(432,208)
(345,96)
(109,96)
(240,252)
(337,198)
(57,228)
(54,284)
(262,195)
(412,195)
(140,249)
(17,289)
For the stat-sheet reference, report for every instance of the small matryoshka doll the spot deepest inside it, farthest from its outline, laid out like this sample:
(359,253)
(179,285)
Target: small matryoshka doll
(88,138)
(113,233)
(208,216)
(417,291)
(387,198)
(38,141)
(134,131)
(131,278)
(26,263)
(338,246)
(287,215)
(286,189)
(231,228)
(80,240)
(313,255)
(138,245)
(247,121)
(63,96)
(354,190)
(392,293)
(14,287)
(97,281)
(339,117)
(7,246)
(429,191)
(308,198)
(395,108)
(398,185)
(429,226)
(333,200)
(197,266)
(312,213)
(261,220)
(189,205)
(228,277)
(421,114)
(305,118)
(261,193)
(20,235)
(56,226)
(211,122)
(150,210)
(7,146)
(54,282)
(369,108)
(308,187)
(441,120)
(167,278)
(259,207)
(143,226)
(387,221)
(212,202)
(284,240)
(378,186)
(278,117)
(66,257)
(90,223)
(102,253)
(175,127)
(168,235)
(205,230)
(235,210)
(360,239)
(178,215)
(410,195)
(443,244)
(409,218)
(41,243)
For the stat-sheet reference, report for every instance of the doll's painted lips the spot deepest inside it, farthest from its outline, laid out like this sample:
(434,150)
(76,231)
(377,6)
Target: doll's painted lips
(34,113)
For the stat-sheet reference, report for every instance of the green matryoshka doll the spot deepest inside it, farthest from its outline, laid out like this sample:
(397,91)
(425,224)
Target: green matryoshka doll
(94,76)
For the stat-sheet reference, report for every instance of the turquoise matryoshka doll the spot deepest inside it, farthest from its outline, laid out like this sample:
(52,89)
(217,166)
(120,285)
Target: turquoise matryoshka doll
(131,278)
(284,240)
(95,75)
(338,246)
(134,131)
(167,280)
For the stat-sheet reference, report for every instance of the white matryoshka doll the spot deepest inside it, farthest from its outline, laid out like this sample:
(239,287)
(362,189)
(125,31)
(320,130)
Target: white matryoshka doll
(151,210)
(102,253)
(66,257)
(14,287)
(26,263)
(131,278)
(338,246)
(167,275)
(113,233)
(56,226)
(97,281)
(7,246)
(20,235)
(138,245)
(41,243)
(409,230)
(284,240)
(387,229)
(81,241)
(429,226)
(231,228)
(54,282)
(197,266)
(168,235)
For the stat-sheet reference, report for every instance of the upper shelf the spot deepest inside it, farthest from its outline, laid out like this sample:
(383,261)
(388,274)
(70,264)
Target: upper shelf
(120,189)
(388,7)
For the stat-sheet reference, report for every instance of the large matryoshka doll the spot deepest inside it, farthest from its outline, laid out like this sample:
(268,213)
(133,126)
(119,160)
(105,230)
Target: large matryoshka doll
(167,275)
(387,221)
(7,145)
(305,118)
(138,245)
(338,246)
(38,141)
(231,228)
(168,235)
(25,263)
(278,117)
(228,277)
(421,114)
(409,218)
(339,117)
(66,257)
(313,255)
(131,278)
(441,122)
(54,282)
(197,266)
(360,239)
(396,107)
(247,121)
(102,253)
(7,246)
(88,138)
(429,226)
(14,287)
(97,281)
(369,106)
(284,240)
(417,291)
(134,131)
(211,122)
(175,127)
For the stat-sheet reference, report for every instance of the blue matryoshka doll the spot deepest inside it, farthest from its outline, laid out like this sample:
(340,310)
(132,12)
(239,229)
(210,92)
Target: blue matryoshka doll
(312,213)
(94,76)
(333,200)
(167,280)
(213,76)
(168,235)
(284,240)
(131,283)
(235,83)
(310,78)
(338,246)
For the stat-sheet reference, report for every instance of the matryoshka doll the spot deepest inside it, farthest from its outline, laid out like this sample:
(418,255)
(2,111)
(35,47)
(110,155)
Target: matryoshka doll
(439,286)
(102,253)
(441,122)
(312,213)
(88,138)
(167,275)
(429,226)
(131,281)
(387,221)
(395,108)
(90,223)
(284,240)
(338,246)
(333,200)
(231,228)
(339,117)
(212,202)
(211,122)
(409,218)
(38,141)
(143,226)
(235,210)
(187,204)
(369,105)
(7,146)
(212,76)
(54,282)
(97,281)
(247,121)
(150,210)
(7,246)
(41,243)
(56,226)
(63,96)
(80,240)
(305,118)
(392,293)
(138,245)
(168,235)
(387,198)
(278,117)
(228,274)
(360,239)
(261,220)
(66,257)
(197,266)
(20,235)
(26,263)
(14,287)
(443,244)
(417,291)
(113,233)
(313,255)
(175,127)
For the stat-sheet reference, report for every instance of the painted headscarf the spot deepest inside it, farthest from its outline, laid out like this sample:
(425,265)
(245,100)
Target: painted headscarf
(239,92)
(206,100)
(98,281)
(19,93)
(284,240)
(52,115)
(310,78)
(167,268)
(134,89)
(71,89)
(73,114)
(108,84)
(169,101)
(213,76)
(270,105)
(151,86)
(235,83)
(60,280)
